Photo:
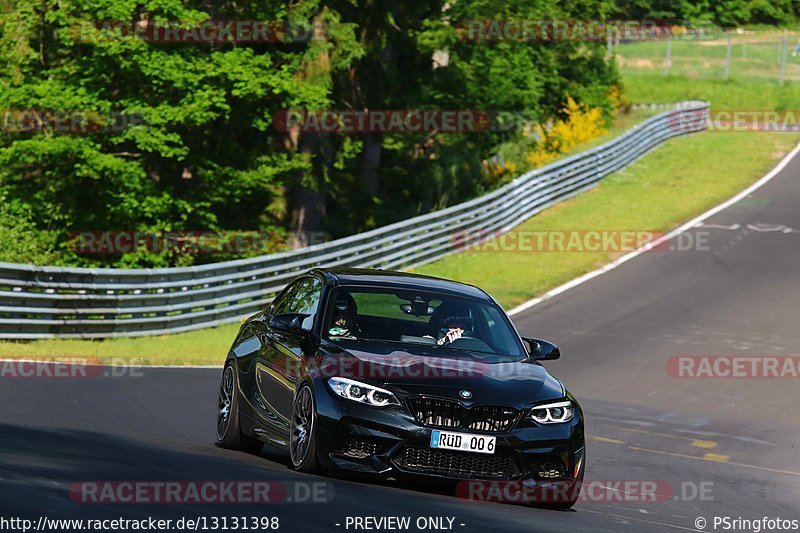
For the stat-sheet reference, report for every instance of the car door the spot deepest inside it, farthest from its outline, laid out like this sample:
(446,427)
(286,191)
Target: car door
(283,351)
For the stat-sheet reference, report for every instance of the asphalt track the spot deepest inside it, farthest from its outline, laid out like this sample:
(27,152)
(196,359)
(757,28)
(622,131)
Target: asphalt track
(736,439)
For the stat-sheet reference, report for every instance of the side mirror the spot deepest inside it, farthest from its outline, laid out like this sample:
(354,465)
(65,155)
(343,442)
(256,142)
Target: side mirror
(542,350)
(288,321)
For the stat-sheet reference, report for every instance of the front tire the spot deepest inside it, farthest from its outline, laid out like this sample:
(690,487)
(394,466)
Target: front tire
(303,433)
(574,493)
(565,505)
(229,433)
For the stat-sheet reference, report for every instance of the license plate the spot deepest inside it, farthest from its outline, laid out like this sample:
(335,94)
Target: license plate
(465,442)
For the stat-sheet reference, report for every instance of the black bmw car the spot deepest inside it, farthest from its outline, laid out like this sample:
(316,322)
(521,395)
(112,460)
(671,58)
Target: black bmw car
(400,375)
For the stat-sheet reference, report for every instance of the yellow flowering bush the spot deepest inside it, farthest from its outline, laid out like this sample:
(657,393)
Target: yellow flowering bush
(581,124)
(497,172)
(618,99)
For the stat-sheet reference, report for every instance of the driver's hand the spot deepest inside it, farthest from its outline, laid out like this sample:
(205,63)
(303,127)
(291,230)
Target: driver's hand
(451,335)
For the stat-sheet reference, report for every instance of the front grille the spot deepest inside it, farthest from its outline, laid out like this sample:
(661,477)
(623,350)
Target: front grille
(448,414)
(438,413)
(456,464)
(491,418)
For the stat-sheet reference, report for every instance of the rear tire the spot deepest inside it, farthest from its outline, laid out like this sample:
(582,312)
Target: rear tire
(303,433)
(229,433)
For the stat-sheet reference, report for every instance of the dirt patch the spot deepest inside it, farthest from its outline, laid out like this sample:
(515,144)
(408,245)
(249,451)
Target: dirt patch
(736,39)
(636,63)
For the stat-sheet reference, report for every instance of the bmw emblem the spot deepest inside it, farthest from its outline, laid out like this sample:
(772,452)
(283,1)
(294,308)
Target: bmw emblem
(465,394)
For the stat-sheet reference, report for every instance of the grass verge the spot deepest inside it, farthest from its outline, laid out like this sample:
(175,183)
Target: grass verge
(752,58)
(680,180)
(202,347)
(730,95)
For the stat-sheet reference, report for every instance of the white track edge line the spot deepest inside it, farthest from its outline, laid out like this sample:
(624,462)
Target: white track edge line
(677,231)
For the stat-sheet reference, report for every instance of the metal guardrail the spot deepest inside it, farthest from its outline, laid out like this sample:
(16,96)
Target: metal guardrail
(42,302)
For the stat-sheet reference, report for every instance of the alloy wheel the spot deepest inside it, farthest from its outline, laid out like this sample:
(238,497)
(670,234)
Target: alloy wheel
(302,426)
(225,402)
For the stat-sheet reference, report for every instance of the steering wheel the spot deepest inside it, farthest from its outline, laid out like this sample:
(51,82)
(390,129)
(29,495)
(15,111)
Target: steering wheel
(467,342)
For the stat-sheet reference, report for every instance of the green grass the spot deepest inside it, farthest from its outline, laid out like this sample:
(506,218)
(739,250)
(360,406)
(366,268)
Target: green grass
(752,58)
(202,347)
(697,72)
(685,177)
(732,94)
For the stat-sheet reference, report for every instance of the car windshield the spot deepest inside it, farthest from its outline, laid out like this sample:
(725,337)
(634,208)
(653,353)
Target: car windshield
(419,317)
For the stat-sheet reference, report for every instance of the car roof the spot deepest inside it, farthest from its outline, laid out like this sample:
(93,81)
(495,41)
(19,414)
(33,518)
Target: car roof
(400,280)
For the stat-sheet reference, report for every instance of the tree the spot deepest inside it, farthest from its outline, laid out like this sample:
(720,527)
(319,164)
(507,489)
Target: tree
(199,146)
(205,154)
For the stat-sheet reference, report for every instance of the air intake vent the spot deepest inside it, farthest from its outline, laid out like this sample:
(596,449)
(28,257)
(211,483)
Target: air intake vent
(456,464)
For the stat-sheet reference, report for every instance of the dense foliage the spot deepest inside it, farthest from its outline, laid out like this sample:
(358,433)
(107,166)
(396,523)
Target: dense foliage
(200,148)
(726,13)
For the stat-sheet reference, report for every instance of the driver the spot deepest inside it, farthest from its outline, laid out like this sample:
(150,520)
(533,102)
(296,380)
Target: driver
(455,323)
(343,322)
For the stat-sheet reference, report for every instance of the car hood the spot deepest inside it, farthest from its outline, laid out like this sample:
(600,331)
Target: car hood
(444,373)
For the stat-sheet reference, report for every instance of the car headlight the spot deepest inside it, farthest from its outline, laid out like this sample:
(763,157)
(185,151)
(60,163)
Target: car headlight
(362,393)
(553,413)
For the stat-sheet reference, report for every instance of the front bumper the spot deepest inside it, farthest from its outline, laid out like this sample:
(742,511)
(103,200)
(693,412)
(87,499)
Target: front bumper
(389,442)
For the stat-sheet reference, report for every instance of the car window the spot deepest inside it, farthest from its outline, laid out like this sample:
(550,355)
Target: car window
(387,305)
(420,317)
(502,337)
(301,298)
